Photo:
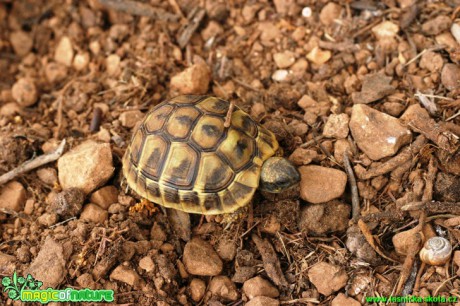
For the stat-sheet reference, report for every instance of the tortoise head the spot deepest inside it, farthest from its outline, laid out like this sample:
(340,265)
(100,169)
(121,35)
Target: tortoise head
(277,175)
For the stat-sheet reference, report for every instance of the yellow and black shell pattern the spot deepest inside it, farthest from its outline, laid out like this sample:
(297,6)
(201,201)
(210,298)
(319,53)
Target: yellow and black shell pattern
(183,157)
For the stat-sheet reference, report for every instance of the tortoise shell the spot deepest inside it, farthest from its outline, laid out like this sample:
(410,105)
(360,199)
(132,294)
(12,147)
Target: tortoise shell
(181,156)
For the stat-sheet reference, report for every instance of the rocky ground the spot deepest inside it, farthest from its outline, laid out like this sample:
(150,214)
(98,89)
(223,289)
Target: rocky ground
(363,97)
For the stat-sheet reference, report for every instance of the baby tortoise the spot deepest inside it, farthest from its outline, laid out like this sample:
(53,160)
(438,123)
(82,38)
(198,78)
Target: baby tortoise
(183,157)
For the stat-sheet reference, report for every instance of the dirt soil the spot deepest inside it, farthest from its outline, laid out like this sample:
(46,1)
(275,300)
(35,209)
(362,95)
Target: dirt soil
(363,97)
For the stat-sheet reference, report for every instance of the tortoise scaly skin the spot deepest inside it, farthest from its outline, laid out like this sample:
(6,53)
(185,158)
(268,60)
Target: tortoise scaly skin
(183,157)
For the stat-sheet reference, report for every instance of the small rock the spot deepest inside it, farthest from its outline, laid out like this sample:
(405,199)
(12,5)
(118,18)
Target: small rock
(456,258)
(13,196)
(7,264)
(105,196)
(320,184)
(258,286)
(455,30)
(375,87)
(402,241)
(432,61)
(327,278)
(24,92)
(67,203)
(450,76)
(222,287)
(47,176)
(112,63)
(29,207)
(318,56)
(298,127)
(21,42)
(10,109)
(81,61)
(342,300)
(201,259)
(393,108)
(146,263)
(341,146)
(270,225)
(23,254)
(280,75)
(436,25)
(197,289)
(126,275)
(86,280)
(377,134)
(385,30)
(258,111)
(86,166)
(193,80)
(94,213)
(212,30)
(324,218)
(284,59)
(302,156)
(50,264)
(157,233)
(226,249)
(55,72)
(130,118)
(357,244)
(262,301)
(307,102)
(269,31)
(64,52)
(48,219)
(284,7)
(336,126)
(330,12)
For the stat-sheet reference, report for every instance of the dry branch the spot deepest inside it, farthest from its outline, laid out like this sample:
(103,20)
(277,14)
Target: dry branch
(33,164)
(138,9)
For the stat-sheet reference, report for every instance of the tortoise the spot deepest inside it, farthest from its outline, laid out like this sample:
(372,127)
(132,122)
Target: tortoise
(182,156)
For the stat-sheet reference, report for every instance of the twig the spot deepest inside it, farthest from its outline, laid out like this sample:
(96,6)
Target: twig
(435,48)
(354,188)
(138,9)
(32,164)
(301,300)
(433,207)
(371,240)
(228,118)
(405,155)
(62,222)
(312,141)
(194,19)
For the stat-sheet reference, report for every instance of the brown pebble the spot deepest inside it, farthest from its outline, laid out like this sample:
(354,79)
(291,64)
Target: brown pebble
(64,52)
(321,184)
(105,196)
(327,278)
(21,42)
(201,259)
(197,289)
(258,286)
(222,287)
(47,176)
(68,203)
(13,196)
(262,301)
(450,76)
(93,213)
(24,92)
(193,80)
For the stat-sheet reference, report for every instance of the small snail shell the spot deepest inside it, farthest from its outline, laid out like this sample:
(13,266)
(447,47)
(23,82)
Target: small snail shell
(436,251)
